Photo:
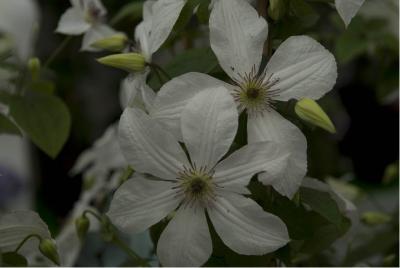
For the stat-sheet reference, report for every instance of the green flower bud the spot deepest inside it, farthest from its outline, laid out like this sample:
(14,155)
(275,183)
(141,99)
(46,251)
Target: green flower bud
(311,112)
(34,67)
(49,249)
(277,9)
(116,42)
(131,62)
(82,226)
(375,218)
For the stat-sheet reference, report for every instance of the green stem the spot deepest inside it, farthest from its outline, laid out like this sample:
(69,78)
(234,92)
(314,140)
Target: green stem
(57,51)
(135,257)
(127,174)
(159,68)
(26,239)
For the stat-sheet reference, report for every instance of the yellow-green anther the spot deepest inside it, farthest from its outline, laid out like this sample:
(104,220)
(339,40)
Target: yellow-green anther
(130,62)
(82,226)
(277,9)
(116,42)
(311,112)
(375,218)
(34,67)
(49,249)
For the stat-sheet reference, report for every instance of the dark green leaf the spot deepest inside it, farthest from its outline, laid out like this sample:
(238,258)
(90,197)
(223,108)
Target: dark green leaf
(7,126)
(322,203)
(200,60)
(203,12)
(44,118)
(43,86)
(185,15)
(13,259)
(304,12)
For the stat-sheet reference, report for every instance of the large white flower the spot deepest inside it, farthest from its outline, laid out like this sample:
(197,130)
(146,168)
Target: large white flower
(195,184)
(299,68)
(85,17)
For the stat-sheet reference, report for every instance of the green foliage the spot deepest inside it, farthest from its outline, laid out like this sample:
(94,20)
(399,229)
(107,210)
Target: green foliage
(44,118)
(194,60)
(13,259)
(132,10)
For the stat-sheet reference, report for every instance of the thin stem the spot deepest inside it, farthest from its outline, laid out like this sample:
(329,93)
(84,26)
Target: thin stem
(127,174)
(135,257)
(57,51)
(26,239)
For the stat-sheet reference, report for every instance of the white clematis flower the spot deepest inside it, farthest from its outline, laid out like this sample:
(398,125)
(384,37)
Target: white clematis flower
(347,9)
(85,17)
(191,187)
(159,18)
(300,68)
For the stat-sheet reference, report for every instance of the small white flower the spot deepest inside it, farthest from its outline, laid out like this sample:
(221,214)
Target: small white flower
(196,184)
(299,68)
(347,9)
(85,17)
(159,18)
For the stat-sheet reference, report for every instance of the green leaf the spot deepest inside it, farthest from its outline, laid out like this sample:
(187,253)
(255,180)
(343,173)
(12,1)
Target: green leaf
(43,86)
(13,259)
(322,203)
(132,10)
(200,60)
(44,118)
(7,126)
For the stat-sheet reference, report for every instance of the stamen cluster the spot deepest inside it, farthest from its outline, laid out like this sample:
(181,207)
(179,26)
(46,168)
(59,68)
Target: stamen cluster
(253,91)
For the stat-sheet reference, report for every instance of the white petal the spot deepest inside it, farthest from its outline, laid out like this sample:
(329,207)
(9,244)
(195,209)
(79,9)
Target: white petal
(237,35)
(72,22)
(209,124)
(239,167)
(94,34)
(174,95)
(17,225)
(186,240)
(347,9)
(142,35)
(305,69)
(148,147)
(136,93)
(245,227)
(271,126)
(139,203)
(20,19)
(164,15)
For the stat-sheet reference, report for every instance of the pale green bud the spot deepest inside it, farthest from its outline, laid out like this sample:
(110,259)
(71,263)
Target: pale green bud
(82,226)
(375,218)
(277,9)
(34,67)
(49,249)
(116,42)
(131,62)
(311,112)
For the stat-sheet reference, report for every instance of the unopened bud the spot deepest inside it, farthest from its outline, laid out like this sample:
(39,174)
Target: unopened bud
(131,62)
(277,9)
(34,67)
(311,112)
(375,218)
(82,226)
(49,249)
(116,42)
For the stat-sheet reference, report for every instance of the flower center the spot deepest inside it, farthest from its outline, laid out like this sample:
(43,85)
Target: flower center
(93,13)
(253,92)
(197,186)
